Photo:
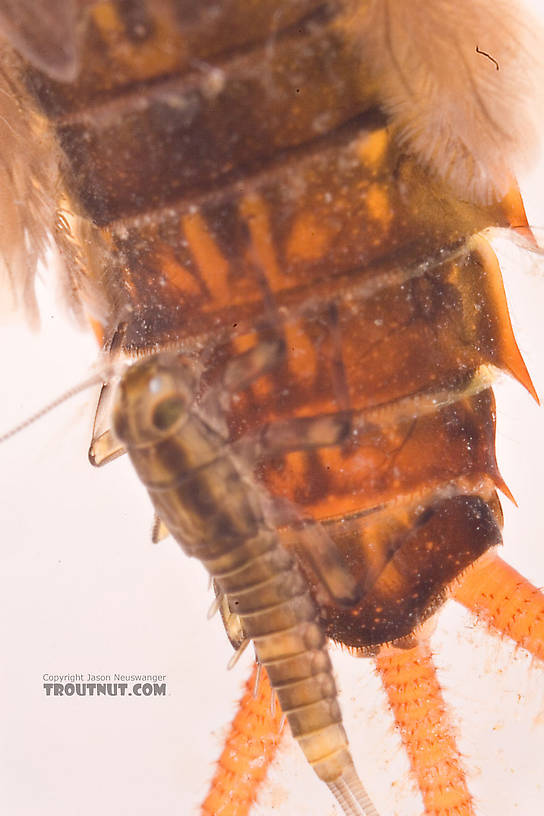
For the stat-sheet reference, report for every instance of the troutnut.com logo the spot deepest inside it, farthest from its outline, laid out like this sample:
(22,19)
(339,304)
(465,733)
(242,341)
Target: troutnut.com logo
(104,685)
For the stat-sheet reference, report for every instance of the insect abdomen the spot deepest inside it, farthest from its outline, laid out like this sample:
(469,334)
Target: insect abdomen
(227,181)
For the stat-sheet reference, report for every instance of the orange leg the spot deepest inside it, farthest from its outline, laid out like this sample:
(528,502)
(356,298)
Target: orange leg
(249,749)
(415,697)
(505,600)
(496,593)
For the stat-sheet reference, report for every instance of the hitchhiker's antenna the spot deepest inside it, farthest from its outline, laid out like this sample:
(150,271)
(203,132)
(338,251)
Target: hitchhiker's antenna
(104,374)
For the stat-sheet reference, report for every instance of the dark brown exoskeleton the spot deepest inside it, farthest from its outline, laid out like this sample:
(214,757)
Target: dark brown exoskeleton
(235,170)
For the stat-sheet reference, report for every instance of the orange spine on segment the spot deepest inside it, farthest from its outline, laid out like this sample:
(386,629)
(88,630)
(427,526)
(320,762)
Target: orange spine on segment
(505,600)
(249,749)
(415,697)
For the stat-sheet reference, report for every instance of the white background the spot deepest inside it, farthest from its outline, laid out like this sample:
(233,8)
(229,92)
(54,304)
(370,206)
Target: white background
(84,590)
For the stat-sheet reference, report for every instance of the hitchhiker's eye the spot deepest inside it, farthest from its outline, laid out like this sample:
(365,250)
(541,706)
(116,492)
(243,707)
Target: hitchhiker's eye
(167,412)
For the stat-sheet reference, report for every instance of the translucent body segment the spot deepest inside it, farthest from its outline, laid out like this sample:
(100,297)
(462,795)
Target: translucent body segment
(186,127)
(401,334)
(124,43)
(104,449)
(380,463)
(415,697)
(251,225)
(506,601)
(403,559)
(231,622)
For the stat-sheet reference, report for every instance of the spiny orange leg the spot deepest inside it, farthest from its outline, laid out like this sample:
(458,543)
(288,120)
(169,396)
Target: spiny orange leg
(496,593)
(505,600)
(249,749)
(421,715)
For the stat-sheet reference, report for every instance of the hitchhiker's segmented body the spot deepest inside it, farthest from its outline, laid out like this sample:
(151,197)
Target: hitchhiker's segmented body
(308,166)
(213,509)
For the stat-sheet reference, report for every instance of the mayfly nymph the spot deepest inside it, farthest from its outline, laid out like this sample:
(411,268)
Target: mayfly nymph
(214,511)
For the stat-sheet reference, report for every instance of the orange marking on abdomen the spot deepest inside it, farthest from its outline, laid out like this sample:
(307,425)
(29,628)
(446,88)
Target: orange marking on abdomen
(106,18)
(263,253)
(372,149)
(377,202)
(301,356)
(249,749)
(244,342)
(415,697)
(505,600)
(213,267)
(177,274)
(308,239)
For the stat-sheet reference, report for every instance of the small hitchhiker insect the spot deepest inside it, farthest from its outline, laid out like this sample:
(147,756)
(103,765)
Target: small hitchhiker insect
(213,508)
(311,167)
